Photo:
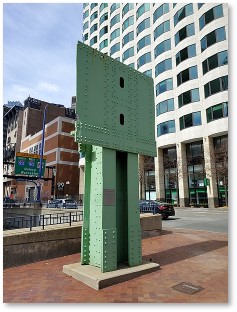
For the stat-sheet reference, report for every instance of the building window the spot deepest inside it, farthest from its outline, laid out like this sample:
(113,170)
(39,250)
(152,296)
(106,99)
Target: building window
(144,59)
(184,54)
(142,9)
(185,32)
(162,47)
(103,31)
(126,8)
(170,174)
(93,40)
(93,28)
(187,74)
(93,16)
(85,14)
(217,111)
(164,8)
(163,66)
(143,25)
(182,13)
(128,22)
(104,17)
(196,173)
(115,34)
(190,120)
(128,53)
(129,37)
(200,5)
(166,127)
(36,149)
(114,7)
(161,29)
(31,150)
(85,37)
(132,65)
(85,26)
(114,20)
(188,97)
(215,86)
(164,107)
(143,42)
(103,44)
(115,48)
(210,16)
(215,61)
(103,6)
(213,37)
(93,5)
(148,73)
(164,86)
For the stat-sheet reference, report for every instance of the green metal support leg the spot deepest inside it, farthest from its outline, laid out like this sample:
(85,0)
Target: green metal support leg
(111,228)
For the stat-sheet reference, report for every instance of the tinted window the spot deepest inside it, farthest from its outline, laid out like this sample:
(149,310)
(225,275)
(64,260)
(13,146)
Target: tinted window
(162,47)
(162,28)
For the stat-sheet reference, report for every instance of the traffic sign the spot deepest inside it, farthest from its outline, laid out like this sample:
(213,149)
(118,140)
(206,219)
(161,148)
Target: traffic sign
(29,164)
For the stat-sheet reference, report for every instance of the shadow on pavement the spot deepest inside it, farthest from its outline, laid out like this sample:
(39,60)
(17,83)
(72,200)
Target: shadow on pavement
(184,252)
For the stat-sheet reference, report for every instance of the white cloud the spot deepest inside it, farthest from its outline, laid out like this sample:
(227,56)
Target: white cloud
(49,87)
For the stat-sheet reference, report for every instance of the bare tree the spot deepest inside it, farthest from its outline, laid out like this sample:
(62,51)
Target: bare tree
(218,166)
(145,164)
(221,165)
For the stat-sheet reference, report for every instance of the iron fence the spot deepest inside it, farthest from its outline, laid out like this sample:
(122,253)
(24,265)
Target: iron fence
(19,222)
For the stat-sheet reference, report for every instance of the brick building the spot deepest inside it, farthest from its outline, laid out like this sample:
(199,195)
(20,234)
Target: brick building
(61,153)
(59,148)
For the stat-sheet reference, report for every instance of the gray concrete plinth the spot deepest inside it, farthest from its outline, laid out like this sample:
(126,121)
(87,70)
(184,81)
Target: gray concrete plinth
(93,277)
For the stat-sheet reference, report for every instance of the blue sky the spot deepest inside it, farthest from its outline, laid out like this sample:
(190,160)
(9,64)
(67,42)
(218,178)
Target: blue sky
(39,51)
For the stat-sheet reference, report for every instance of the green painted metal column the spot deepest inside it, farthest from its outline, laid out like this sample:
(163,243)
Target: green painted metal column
(134,234)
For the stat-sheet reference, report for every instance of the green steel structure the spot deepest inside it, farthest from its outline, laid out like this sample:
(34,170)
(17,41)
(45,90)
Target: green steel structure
(115,108)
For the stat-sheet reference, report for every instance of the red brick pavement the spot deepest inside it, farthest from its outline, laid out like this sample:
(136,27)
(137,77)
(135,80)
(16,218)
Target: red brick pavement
(195,257)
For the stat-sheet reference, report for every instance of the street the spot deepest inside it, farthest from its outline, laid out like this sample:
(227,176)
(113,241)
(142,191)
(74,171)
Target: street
(198,219)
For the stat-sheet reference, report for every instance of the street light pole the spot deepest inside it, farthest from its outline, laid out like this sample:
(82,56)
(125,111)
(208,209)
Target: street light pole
(67,183)
(41,154)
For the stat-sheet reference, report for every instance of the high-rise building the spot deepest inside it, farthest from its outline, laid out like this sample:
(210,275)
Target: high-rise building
(184,48)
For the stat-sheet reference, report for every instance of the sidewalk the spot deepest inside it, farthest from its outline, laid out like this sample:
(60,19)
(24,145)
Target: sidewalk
(199,259)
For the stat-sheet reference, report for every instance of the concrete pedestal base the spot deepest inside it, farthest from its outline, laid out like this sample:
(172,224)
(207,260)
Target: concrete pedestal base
(93,277)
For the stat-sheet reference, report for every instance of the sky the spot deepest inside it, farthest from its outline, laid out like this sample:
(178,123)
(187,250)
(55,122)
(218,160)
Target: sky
(39,51)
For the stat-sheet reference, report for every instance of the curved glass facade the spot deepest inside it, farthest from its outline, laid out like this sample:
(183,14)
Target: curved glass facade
(184,48)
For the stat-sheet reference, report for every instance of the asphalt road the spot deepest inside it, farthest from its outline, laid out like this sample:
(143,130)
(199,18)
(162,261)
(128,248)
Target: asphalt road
(198,219)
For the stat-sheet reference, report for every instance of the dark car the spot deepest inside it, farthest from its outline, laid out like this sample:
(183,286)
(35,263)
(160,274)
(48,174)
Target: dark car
(165,209)
(62,203)
(9,203)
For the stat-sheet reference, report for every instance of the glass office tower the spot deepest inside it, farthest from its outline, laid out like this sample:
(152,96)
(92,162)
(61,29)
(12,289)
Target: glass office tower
(184,48)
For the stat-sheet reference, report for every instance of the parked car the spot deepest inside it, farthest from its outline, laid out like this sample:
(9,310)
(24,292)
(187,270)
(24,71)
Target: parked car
(62,203)
(165,209)
(9,203)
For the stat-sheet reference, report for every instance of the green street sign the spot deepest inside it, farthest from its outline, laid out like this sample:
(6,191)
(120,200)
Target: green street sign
(29,164)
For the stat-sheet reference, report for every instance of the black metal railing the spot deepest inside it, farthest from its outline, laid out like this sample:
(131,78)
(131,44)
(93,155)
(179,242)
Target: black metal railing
(19,222)
(148,208)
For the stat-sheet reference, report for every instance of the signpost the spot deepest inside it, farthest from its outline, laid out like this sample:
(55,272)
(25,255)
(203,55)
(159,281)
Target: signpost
(29,164)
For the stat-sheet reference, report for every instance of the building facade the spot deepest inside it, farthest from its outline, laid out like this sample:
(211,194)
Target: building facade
(62,159)
(184,48)
(12,130)
(24,134)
